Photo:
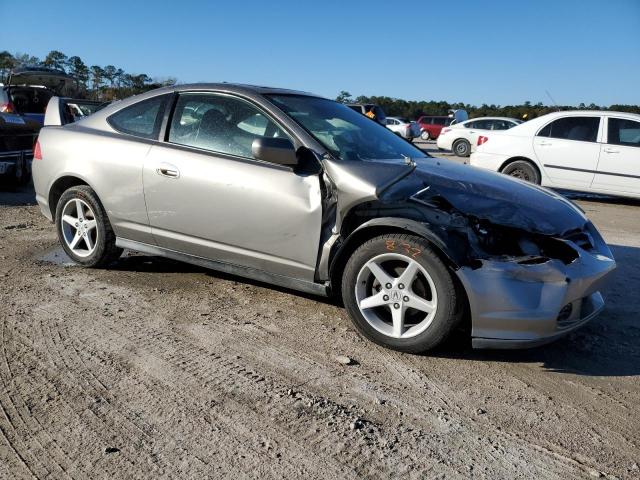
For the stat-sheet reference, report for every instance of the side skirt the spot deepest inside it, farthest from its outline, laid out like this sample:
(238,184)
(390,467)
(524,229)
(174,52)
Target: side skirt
(247,272)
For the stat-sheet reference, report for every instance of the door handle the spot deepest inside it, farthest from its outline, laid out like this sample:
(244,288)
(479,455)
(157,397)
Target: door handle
(168,170)
(611,150)
(545,144)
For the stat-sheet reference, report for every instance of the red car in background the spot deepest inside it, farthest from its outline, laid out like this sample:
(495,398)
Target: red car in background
(431,126)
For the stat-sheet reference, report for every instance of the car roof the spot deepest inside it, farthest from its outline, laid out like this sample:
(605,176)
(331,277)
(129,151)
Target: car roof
(583,113)
(221,87)
(511,119)
(237,88)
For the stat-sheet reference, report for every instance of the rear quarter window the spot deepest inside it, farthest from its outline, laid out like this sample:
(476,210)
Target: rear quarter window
(141,119)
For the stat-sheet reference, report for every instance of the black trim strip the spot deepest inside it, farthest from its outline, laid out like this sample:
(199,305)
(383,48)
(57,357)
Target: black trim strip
(592,171)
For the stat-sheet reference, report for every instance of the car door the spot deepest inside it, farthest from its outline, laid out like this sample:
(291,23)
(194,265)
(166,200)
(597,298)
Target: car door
(207,196)
(619,165)
(568,150)
(118,164)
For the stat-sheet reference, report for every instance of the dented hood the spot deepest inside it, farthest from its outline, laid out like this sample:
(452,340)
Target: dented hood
(497,198)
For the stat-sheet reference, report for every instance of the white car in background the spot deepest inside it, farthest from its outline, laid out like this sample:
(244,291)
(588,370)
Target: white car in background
(403,127)
(462,137)
(592,151)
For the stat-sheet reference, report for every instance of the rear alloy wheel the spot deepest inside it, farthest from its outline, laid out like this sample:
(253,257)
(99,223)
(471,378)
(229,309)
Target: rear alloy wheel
(84,229)
(399,294)
(524,170)
(462,148)
(425,135)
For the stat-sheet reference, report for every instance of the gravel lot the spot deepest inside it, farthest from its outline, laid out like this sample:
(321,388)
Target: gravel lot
(154,369)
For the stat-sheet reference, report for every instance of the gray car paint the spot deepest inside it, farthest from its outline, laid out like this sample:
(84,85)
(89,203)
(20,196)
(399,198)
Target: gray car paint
(289,228)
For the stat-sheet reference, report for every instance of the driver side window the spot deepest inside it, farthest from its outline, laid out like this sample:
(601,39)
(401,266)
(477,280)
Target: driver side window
(220,124)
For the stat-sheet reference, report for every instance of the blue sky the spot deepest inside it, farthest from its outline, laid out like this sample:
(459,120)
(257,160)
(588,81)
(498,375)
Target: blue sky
(493,51)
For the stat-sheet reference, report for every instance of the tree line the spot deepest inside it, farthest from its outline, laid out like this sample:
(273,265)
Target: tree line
(95,82)
(109,82)
(412,109)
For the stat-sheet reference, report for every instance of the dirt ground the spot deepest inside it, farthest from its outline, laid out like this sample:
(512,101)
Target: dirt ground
(154,369)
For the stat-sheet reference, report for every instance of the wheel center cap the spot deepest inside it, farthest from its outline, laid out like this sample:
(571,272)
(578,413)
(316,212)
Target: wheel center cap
(395,295)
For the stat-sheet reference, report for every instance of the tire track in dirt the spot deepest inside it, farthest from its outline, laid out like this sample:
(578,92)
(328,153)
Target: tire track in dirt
(421,385)
(143,339)
(416,382)
(26,440)
(29,390)
(117,419)
(545,387)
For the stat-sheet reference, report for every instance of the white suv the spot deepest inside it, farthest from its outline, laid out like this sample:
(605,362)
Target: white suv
(595,151)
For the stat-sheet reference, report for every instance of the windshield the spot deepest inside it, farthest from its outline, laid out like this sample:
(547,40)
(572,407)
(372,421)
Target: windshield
(348,135)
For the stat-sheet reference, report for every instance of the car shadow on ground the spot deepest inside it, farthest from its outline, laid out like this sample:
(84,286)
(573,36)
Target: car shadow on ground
(135,262)
(607,346)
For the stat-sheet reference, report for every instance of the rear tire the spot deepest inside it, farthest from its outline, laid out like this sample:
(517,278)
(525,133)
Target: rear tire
(412,317)
(524,170)
(462,148)
(84,230)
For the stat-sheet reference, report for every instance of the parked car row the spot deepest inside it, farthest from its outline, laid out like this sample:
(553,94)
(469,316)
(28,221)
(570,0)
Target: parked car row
(593,151)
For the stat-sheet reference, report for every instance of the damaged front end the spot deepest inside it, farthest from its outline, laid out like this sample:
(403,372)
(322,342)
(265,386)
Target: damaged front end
(543,288)
(531,263)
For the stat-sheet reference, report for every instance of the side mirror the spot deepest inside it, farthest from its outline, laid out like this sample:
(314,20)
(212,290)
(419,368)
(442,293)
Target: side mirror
(274,150)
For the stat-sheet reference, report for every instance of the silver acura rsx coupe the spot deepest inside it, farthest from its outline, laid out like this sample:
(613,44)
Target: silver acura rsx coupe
(296,190)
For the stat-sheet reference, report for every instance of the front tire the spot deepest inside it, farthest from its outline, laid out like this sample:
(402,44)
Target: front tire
(524,170)
(399,293)
(84,229)
(425,135)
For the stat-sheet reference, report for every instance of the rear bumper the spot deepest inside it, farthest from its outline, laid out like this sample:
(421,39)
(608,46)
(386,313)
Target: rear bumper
(524,305)
(444,142)
(490,161)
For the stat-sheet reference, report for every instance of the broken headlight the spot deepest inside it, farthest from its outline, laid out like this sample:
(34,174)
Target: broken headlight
(526,248)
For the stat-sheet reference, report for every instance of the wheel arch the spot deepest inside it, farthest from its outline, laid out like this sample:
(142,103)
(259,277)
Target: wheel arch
(520,158)
(381,226)
(61,185)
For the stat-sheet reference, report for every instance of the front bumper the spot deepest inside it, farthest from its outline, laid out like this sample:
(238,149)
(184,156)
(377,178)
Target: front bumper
(515,305)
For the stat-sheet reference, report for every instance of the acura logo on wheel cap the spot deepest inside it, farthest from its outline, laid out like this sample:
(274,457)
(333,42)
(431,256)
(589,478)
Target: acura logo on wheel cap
(395,296)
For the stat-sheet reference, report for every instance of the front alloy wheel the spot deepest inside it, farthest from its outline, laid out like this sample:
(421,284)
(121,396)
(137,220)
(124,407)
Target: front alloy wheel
(398,307)
(399,293)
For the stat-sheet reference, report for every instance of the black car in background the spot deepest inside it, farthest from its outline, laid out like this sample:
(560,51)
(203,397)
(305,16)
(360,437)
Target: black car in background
(23,102)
